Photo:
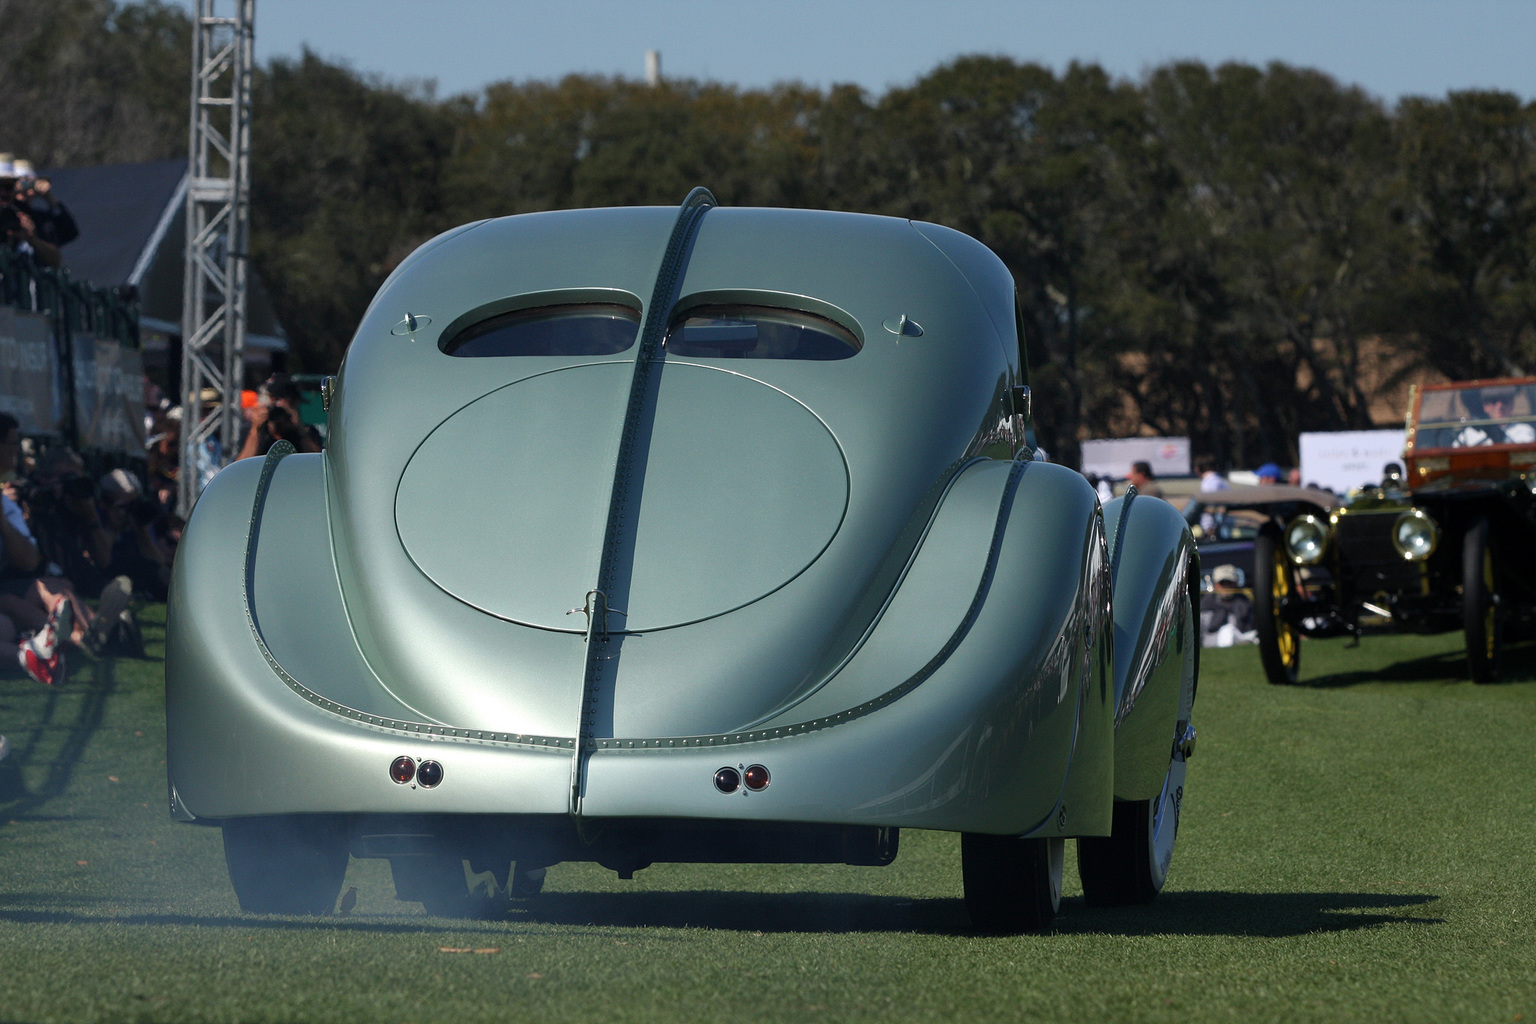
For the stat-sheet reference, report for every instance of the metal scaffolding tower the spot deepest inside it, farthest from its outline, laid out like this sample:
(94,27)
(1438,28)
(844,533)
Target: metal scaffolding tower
(218,215)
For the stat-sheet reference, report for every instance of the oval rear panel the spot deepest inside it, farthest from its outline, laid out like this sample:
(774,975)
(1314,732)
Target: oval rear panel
(505,504)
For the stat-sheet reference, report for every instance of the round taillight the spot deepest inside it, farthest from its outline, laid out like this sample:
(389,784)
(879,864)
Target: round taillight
(403,770)
(429,774)
(727,780)
(756,777)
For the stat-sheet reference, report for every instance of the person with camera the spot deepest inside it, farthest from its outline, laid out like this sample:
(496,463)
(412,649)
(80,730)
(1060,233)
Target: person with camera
(18,221)
(53,223)
(275,417)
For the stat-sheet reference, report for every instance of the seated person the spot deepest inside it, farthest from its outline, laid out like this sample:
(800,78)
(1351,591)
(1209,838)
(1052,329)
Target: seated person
(42,607)
(66,520)
(134,521)
(72,545)
(1492,403)
(1226,614)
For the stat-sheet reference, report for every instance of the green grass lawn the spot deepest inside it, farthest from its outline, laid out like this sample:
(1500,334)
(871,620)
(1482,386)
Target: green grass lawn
(1357,848)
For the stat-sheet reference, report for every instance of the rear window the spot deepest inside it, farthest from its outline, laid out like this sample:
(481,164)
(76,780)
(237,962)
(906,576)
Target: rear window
(583,329)
(759,332)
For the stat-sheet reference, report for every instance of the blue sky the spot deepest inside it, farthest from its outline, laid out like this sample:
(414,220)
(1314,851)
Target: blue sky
(1423,47)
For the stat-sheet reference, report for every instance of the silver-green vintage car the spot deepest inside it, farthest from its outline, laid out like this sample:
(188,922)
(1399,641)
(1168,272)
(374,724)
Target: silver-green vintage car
(682,534)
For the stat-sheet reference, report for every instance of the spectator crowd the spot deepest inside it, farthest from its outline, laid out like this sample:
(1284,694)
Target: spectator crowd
(67,535)
(77,547)
(82,537)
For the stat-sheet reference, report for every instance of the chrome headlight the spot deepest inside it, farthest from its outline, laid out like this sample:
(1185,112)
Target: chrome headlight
(1415,535)
(1306,539)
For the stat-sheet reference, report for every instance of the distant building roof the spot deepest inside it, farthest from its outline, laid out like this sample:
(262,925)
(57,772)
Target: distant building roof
(132,220)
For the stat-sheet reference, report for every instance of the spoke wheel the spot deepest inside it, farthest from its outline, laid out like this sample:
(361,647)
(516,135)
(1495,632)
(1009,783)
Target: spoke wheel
(1012,885)
(292,864)
(1273,584)
(1481,619)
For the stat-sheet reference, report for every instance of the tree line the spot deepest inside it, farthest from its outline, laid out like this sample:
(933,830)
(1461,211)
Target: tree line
(1234,253)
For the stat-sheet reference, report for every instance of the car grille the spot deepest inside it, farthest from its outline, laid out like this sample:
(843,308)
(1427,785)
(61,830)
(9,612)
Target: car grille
(1367,556)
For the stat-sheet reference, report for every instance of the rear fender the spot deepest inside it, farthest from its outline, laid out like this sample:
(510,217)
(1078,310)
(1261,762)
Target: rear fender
(1155,567)
(266,686)
(981,700)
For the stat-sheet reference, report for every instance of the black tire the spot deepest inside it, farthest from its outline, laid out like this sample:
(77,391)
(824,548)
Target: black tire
(437,882)
(1129,867)
(1481,619)
(1273,582)
(289,864)
(1012,885)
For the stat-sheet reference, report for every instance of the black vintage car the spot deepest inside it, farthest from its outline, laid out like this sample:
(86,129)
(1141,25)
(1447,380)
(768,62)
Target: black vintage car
(1449,543)
(1244,526)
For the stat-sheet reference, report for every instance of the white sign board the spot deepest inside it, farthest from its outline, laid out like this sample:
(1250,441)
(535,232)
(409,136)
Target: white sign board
(1168,456)
(1346,459)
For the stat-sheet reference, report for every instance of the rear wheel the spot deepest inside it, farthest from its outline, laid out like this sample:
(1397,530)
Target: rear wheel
(1012,885)
(1481,620)
(1273,585)
(1129,866)
(290,864)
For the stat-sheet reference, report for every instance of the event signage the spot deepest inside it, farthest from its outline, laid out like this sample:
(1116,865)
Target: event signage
(1113,457)
(1342,460)
(28,388)
(109,395)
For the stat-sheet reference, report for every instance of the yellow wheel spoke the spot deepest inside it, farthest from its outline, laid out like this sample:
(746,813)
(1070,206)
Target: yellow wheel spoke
(1285,633)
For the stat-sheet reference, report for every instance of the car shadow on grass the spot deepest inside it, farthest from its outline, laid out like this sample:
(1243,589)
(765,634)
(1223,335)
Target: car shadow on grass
(1259,915)
(1182,913)
(1249,914)
(819,912)
(1519,666)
